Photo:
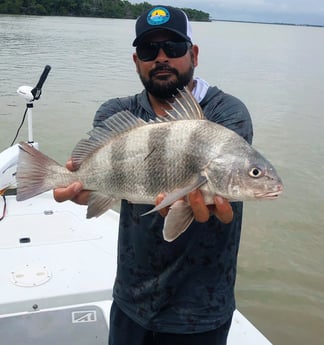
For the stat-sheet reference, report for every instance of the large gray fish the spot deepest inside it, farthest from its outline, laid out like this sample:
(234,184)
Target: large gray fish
(136,160)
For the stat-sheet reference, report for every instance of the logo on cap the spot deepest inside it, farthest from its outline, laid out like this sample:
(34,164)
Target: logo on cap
(158,16)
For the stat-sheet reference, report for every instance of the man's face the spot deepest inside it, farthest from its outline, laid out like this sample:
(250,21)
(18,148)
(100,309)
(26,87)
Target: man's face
(163,75)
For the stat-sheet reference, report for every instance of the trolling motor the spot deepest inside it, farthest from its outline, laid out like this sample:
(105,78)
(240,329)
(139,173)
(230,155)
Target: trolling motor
(9,157)
(30,95)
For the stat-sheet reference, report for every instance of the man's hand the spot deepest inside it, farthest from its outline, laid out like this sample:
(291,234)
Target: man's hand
(73,192)
(221,208)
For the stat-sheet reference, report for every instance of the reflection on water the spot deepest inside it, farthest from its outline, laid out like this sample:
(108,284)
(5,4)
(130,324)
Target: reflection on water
(276,70)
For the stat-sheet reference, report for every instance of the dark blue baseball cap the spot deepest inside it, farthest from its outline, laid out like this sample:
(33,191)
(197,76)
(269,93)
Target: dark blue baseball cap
(165,18)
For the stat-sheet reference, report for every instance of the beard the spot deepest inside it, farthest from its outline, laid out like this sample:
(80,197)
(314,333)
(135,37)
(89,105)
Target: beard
(164,89)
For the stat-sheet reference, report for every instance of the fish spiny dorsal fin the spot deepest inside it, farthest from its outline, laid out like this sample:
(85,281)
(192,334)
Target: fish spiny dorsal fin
(185,107)
(118,123)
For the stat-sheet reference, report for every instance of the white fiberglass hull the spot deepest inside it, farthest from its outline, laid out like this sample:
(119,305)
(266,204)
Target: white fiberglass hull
(57,274)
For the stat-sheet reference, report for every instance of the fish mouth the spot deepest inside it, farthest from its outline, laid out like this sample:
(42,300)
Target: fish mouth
(269,195)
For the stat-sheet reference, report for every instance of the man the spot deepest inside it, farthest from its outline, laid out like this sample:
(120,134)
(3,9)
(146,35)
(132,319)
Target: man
(180,292)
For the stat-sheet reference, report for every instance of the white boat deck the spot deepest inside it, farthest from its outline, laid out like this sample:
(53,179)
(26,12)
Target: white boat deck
(54,259)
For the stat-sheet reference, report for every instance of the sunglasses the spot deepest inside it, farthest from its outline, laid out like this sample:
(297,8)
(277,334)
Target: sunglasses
(148,51)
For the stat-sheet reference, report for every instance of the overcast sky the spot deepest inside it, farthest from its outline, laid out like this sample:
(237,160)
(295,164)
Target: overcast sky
(286,11)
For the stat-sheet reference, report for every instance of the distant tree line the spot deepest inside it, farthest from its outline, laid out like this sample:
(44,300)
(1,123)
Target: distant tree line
(86,8)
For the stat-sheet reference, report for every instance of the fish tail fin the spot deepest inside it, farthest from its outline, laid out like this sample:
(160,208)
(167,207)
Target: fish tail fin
(37,173)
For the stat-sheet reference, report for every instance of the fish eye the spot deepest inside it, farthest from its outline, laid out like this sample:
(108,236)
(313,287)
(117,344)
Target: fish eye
(255,172)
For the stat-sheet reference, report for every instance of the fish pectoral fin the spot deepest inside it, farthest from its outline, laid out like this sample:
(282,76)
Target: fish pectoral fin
(98,204)
(179,193)
(177,221)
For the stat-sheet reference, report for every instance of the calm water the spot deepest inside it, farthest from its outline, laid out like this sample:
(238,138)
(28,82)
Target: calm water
(276,70)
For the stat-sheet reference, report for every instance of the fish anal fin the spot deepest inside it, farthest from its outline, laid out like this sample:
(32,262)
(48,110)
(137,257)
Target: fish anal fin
(177,221)
(98,204)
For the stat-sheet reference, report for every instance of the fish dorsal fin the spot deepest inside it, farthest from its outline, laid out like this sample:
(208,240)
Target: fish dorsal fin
(118,123)
(185,107)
